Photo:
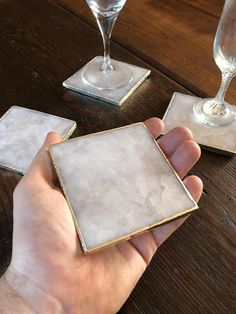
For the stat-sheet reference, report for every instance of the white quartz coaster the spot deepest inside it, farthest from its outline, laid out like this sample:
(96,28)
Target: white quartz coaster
(180,113)
(118,183)
(116,96)
(23,132)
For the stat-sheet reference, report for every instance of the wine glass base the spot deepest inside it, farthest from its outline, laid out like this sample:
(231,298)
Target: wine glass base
(119,76)
(204,115)
(214,138)
(115,96)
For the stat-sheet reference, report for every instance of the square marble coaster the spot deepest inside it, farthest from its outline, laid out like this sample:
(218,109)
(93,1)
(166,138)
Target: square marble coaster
(118,183)
(117,96)
(22,134)
(180,113)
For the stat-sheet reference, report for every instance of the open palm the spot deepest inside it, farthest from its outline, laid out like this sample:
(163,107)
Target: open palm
(47,260)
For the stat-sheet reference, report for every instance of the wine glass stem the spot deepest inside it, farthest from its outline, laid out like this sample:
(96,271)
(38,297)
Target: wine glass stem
(218,107)
(226,80)
(106,25)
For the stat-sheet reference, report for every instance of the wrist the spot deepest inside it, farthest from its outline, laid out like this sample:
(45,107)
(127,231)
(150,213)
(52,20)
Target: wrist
(34,297)
(10,301)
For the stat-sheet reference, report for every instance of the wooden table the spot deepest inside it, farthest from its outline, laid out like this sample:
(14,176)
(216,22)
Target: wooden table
(44,42)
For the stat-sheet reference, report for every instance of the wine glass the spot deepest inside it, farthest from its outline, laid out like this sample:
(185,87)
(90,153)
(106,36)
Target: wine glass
(217,112)
(103,73)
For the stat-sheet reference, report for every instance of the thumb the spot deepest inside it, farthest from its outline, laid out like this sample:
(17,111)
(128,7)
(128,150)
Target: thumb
(41,167)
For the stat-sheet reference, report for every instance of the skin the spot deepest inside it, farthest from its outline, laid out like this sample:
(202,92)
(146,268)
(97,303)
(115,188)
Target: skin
(48,272)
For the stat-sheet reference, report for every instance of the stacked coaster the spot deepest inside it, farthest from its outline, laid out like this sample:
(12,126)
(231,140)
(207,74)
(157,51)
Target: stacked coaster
(23,132)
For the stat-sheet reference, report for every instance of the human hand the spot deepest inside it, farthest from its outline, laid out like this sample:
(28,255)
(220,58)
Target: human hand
(48,269)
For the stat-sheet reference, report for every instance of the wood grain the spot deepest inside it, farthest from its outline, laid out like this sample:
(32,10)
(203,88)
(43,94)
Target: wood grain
(173,36)
(37,55)
(213,8)
(42,44)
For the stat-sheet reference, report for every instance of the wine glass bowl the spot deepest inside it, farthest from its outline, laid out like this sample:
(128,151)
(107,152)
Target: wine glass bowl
(104,73)
(105,8)
(216,111)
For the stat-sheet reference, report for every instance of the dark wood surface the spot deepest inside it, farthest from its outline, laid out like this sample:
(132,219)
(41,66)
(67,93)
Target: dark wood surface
(173,36)
(44,42)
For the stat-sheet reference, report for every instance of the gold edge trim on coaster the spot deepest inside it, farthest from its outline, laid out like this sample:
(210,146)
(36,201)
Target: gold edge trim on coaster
(84,247)
(7,112)
(41,113)
(97,133)
(70,131)
(138,231)
(142,79)
(67,197)
(168,107)
(172,168)
(67,84)
(80,90)
(216,149)
(6,166)
(10,168)
(22,172)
